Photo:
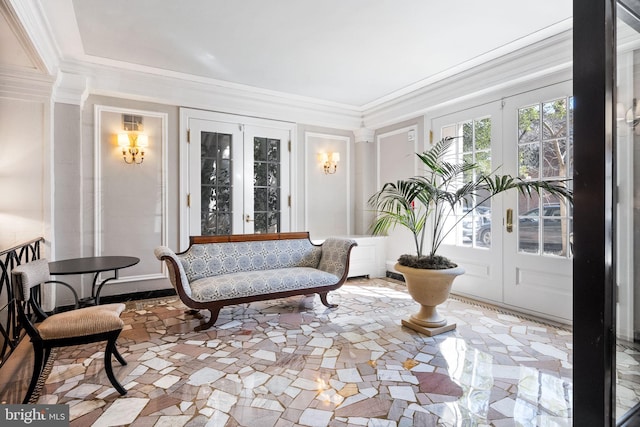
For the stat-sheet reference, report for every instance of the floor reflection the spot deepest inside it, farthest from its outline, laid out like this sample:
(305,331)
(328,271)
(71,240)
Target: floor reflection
(293,362)
(541,400)
(627,376)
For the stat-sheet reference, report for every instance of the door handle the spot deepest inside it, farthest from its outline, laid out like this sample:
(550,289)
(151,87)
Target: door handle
(247,218)
(509,220)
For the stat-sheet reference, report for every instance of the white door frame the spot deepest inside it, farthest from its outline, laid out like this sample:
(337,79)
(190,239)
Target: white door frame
(542,282)
(483,277)
(188,113)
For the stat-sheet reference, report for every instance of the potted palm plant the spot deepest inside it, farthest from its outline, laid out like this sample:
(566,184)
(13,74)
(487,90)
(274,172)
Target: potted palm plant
(422,205)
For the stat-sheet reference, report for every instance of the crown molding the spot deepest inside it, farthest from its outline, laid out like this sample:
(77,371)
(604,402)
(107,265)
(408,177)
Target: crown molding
(550,58)
(25,84)
(549,55)
(70,89)
(363,134)
(200,93)
(29,25)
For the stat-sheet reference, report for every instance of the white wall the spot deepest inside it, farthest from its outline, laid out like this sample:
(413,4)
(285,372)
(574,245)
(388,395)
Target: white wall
(327,201)
(130,200)
(67,174)
(24,171)
(396,159)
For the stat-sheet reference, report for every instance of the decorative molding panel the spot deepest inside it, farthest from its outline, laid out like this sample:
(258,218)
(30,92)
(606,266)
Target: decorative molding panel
(331,193)
(131,206)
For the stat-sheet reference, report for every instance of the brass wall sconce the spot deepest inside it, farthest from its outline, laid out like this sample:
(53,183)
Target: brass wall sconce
(329,162)
(133,145)
(631,116)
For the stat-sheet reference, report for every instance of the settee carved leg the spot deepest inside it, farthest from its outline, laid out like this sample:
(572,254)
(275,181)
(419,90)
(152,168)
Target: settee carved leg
(214,316)
(192,311)
(323,298)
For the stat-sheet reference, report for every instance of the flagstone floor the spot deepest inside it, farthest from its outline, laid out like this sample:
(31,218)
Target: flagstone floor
(292,362)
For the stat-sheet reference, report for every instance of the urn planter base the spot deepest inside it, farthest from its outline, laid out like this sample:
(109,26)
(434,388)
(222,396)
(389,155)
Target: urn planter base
(429,288)
(427,330)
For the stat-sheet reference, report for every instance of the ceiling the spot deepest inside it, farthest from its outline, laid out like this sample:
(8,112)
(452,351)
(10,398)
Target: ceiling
(349,52)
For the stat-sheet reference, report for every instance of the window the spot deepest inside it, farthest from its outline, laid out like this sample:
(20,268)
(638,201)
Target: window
(474,146)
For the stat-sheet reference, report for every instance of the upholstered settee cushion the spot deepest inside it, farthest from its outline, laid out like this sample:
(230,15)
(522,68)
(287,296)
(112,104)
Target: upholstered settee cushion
(206,260)
(245,284)
(84,321)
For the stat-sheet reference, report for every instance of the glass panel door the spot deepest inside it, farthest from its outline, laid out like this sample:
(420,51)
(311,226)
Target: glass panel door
(544,152)
(238,179)
(476,242)
(537,258)
(216,185)
(267,200)
(216,163)
(473,145)
(627,213)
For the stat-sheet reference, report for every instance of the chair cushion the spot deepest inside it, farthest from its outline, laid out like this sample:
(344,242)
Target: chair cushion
(84,321)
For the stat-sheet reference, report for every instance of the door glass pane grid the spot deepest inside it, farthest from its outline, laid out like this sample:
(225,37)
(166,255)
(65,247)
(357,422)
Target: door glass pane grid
(545,152)
(215,183)
(266,184)
(473,145)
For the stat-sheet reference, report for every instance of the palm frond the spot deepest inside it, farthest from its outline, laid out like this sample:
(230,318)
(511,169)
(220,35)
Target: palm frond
(441,190)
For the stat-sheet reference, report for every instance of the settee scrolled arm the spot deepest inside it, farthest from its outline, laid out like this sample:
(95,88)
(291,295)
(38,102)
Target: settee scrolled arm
(177,275)
(335,256)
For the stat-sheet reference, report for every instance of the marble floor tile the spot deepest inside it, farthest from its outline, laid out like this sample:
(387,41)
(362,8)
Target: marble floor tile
(293,362)
(122,411)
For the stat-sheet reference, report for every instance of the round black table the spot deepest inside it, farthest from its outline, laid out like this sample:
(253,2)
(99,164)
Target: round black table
(95,265)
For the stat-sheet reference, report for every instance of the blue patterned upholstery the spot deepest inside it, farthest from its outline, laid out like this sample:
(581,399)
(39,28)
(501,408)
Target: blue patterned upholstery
(220,271)
(208,260)
(245,284)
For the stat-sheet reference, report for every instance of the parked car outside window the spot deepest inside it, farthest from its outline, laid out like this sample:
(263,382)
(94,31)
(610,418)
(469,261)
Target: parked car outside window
(480,217)
(528,229)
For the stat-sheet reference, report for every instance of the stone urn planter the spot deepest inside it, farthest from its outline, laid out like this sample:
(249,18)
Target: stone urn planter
(429,288)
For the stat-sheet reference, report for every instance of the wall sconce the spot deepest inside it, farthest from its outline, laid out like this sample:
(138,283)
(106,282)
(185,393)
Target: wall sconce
(133,145)
(631,116)
(330,162)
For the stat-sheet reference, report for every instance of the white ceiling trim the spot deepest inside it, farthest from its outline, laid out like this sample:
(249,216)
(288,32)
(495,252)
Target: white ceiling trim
(486,73)
(517,45)
(100,62)
(193,93)
(549,59)
(26,85)
(71,89)
(34,35)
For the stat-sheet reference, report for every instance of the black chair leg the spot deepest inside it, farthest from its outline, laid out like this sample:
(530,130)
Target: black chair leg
(111,348)
(38,356)
(118,356)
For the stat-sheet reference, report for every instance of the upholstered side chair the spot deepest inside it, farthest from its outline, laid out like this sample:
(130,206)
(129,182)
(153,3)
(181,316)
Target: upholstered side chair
(81,326)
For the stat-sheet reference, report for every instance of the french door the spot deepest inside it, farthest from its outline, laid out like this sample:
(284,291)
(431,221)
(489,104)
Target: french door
(238,177)
(476,242)
(538,143)
(516,249)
